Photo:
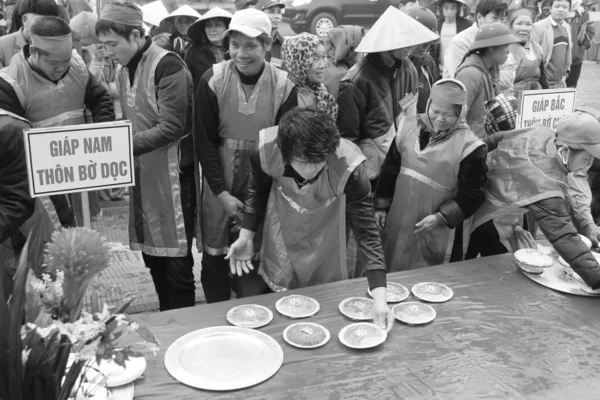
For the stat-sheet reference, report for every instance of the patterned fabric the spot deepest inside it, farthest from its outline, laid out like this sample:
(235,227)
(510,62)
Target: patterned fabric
(501,114)
(298,54)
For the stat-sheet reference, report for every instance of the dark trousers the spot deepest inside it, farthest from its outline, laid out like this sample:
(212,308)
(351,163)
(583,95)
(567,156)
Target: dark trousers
(485,241)
(574,75)
(217,281)
(174,276)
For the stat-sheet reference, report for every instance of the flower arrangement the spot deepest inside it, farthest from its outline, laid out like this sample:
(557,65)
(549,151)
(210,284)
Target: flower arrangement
(44,327)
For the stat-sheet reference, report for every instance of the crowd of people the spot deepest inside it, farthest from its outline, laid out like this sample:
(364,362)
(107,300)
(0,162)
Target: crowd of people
(275,152)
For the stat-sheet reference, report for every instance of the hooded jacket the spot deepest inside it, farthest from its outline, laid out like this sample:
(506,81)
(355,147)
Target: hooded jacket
(480,88)
(428,73)
(345,38)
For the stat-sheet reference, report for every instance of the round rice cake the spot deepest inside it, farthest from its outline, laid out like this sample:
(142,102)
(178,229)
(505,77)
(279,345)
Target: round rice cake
(414,313)
(297,306)
(306,335)
(532,261)
(394,293)
(357,308)
(362,335)
(249,316)
(432,292)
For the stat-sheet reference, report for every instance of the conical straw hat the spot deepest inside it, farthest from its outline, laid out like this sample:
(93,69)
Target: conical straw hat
(395,30)
(154,12)
(185,11)
(195,31)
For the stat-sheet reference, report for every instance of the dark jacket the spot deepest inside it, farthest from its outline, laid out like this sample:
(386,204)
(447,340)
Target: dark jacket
(200,57)
(369,97)
(578,23)
(428,73)
(461,25)
(275,51)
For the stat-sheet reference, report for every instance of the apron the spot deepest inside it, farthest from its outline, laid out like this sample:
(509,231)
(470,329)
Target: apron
(309,248)
(428,178)
(522,171)
(156,225)
(241,119)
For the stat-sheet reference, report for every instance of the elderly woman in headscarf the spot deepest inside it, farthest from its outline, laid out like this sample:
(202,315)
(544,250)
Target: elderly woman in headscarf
(208,34)
(340,45)
(431,182)
(529,173)
(305,59)
(527,54)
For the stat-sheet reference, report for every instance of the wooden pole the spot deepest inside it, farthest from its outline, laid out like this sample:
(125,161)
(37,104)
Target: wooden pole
(85,205)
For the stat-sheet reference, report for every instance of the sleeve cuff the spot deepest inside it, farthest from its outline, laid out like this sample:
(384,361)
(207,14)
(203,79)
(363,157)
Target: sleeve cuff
(250,221)
(377,278)
(381,203)
(452,212)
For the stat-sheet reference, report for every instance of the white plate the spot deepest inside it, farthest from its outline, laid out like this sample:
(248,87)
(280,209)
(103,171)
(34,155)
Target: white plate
(124,392)
(116,375)
(223,358)
(414,313)
(560,278)
(249,316)
(362,335)
(357,308)
(432,292)
(308,329)
(395,292)
(297,306)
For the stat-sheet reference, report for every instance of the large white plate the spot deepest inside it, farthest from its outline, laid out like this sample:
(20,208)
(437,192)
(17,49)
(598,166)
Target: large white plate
(297,306)
(223,358)
(116,375)
(558,278)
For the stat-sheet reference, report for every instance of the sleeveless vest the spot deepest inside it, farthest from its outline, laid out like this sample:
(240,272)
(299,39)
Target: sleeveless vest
(156,224)
(240,120)
(309,248)
(428,178)
(47,103)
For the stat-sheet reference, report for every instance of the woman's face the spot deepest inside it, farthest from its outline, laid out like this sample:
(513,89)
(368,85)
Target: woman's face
(521,27)
(183,24)
(215,30)
(442,117)
(316,72)
(499,54)
(450,9)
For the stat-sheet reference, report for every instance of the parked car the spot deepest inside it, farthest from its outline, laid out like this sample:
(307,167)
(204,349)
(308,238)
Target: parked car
(320,16)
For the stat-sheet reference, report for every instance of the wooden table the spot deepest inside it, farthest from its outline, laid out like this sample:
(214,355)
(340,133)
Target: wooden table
(502,336)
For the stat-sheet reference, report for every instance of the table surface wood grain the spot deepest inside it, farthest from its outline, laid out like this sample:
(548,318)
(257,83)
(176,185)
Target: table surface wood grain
(502,336)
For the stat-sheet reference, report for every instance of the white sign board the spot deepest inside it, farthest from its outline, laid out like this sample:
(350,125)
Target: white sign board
(78,158)
(545,107)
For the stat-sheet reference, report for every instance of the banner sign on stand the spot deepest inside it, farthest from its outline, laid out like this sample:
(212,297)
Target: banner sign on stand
(79,158)
(545,107)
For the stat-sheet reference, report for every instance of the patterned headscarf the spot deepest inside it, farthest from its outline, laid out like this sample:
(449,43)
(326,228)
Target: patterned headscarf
(501,114)
(298,54)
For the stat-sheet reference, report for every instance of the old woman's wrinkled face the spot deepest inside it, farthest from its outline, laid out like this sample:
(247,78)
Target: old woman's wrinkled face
(442,116)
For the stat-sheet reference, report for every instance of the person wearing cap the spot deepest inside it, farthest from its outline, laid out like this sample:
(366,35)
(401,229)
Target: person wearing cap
(245,4)
(210,47)
(340,45)
(25,13)
(527,54)
(156,92)
(305,59)
(449,24)
(235,99)
(48,63)
(486,12)
(480,69)
(182,18)
(427,68)
(303,173)
(553,34)
(274,10)
(528,173)
(161,38)
(431,183)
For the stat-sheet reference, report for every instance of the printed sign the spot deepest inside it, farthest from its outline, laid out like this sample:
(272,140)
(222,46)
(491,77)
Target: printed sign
(545,107)
(78,158)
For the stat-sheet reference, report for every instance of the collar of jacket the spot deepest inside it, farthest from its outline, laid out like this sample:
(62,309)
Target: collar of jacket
(562,24)
(135,60)
(375,60)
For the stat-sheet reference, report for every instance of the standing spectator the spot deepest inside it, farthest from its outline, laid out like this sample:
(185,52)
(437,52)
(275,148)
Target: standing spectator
(449,25)
(156,92)
(582,33)
(527,55)
(553,34)
(305,58)
(25,13)
(245,4)
(341,43)
(479,71)
(274,10)
(208,35)
(486,12)
(427,69)
(161,37)
(234,101)
(182,18)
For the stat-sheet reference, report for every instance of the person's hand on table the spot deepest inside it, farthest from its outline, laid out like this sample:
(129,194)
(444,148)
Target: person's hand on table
(524,238)
(382,315)
(232,205)
(240,253)
(592,232)
(381,217)
(429,224)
